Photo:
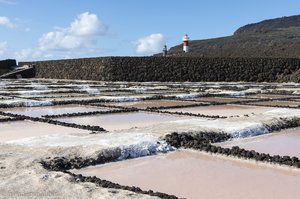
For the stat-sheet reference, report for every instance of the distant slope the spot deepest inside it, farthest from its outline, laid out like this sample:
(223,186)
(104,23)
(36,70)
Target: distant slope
(270,38)
(271,24)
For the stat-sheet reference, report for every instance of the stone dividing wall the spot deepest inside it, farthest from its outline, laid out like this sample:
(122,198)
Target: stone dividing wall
(171,69)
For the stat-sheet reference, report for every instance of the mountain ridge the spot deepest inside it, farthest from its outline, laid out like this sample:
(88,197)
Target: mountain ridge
(270,24)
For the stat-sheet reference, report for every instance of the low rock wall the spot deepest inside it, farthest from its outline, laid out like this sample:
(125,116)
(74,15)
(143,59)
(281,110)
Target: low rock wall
(171,69)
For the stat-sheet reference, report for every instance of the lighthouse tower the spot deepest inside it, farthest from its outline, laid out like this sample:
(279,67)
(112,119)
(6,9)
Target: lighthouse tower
(185,40)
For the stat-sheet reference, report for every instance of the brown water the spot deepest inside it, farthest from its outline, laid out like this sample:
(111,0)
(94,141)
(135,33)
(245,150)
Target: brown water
(278,103)
(220,99)
(223,110)
(153,103)
(52,110)
(118,121)
(194,175)
(286,142)
(24,129)
(269,96)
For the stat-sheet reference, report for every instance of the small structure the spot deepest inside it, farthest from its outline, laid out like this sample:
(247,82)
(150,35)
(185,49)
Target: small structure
(20,72)
(185,40)
(165,51)
(7,65)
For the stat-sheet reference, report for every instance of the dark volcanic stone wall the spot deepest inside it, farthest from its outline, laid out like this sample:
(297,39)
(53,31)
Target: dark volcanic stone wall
(171,69)
(6,65)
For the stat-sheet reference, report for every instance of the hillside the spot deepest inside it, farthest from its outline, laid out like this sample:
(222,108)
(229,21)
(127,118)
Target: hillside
(271,24)
(267,39)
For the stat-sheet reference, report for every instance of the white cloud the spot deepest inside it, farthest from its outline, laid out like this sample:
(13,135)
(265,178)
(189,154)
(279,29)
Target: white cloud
(88,24)
(150,44)
(5,21)
(32,54)
(82,33)
(23,54)
(3,47)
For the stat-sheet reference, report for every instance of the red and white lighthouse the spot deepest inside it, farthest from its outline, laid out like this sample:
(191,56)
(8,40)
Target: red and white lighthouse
(185,40)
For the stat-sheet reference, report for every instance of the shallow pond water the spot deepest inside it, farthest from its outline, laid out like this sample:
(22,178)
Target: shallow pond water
(286,142)
(223,110)
(194,175)
(118,121)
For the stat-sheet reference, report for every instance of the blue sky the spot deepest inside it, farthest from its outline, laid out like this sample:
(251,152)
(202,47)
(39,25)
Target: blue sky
(55,29)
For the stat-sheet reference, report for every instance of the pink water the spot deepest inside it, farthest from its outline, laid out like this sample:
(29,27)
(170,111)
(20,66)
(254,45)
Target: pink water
(118,121)
(194,175)
(220,99)
(223,110)
(52,110)
(24,129)
(286,142)
(153,103)
(278,103)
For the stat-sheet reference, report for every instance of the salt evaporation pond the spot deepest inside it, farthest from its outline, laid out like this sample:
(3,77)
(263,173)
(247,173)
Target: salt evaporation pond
(25,129)
(278,103)
(153,103)
(270,96)
(286,142)
(223,110)
(220,99)
(60,95)
(52,110)
(194,175)
(119,121)
(184,173)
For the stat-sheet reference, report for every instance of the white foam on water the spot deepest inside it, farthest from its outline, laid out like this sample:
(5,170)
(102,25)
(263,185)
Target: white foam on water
(238,127)
(84,139)
(222,125)
(234,93)
(283,112)
(231,93)
(136,88)
(33,92)
(3,84)
(39,86)
(253,130)
(187,96)
(296,92)
(25,102)
(253,90)
(159,88)
(288,89)
(144,149)
(88,89)
(124,99)
(132,145)
(141,89)
(213,86)
(31,103)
